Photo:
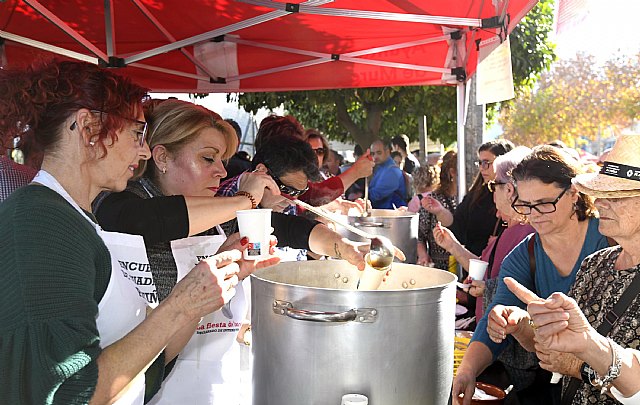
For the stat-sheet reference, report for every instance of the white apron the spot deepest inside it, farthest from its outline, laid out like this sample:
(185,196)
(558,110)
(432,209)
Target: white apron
(121,309)
(208,368)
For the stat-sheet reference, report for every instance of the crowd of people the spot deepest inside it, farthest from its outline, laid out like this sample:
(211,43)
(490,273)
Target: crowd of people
(121,253)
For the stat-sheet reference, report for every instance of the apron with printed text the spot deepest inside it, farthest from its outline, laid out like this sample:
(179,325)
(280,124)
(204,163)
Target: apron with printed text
(207,370)
(121,308)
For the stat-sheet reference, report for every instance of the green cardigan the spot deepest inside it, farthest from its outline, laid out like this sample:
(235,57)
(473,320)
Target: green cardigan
(54,269)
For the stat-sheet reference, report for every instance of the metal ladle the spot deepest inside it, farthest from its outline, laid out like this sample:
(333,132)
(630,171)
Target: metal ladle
(381,250)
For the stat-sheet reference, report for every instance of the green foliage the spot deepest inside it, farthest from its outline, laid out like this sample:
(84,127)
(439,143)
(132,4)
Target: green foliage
(365,114)
(576,99)
(531,51)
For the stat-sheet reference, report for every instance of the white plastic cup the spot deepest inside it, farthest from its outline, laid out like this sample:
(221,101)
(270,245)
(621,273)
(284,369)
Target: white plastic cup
(256,226)
(477,269)
(354,399)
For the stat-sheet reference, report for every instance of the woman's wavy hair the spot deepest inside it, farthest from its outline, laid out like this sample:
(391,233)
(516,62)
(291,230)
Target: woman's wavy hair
(552,165)
(175,123)
(36,102)
(449,162)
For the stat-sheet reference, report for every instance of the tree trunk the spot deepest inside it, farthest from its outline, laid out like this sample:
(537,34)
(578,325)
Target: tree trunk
(361,136)
(473,131)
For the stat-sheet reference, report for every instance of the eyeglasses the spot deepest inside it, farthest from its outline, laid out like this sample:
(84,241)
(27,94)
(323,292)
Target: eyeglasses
(483,163)
(319,151)
(288,190)
(542,208)
(140,131)
(491,185)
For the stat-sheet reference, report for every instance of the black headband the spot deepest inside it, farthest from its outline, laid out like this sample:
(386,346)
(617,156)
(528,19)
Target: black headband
(621,171)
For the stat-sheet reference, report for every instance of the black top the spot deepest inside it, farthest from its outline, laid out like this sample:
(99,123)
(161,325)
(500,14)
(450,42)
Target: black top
(473,224)
(165,219)
(143,210)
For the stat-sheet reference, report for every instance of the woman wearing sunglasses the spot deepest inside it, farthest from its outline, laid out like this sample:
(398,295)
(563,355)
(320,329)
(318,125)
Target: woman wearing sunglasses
(566,232)
(173,207)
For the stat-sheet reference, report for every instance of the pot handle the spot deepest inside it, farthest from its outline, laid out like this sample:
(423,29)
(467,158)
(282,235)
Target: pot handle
(362,315)
(370,224)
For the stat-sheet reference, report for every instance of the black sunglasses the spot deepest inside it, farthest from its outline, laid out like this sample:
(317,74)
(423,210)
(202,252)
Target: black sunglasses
(288,190)
(319,151)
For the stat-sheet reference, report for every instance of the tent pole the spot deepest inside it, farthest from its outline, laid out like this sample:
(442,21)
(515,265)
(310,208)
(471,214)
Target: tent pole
(462,179)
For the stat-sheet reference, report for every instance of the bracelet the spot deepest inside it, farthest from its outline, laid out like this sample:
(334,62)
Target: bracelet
(614,370)
(254,204)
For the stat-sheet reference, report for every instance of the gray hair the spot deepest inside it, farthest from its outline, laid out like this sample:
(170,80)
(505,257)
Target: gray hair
(504,164)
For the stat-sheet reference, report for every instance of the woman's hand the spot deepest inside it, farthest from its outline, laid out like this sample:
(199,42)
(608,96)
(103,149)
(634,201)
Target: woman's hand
(558,362)
(234,241)
(505,320)
(431,204)
(364,165)
(208,286)
(424,260)
(476,287)
(255,183)
(558,322)
(464,383)
(444,237)
(352,252)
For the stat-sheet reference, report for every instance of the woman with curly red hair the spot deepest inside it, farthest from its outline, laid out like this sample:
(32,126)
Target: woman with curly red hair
(72,327)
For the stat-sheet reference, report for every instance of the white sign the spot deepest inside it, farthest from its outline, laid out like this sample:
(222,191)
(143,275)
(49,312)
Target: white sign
(495,78)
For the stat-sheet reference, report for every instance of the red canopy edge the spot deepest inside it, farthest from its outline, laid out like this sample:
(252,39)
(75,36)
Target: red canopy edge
(261,45)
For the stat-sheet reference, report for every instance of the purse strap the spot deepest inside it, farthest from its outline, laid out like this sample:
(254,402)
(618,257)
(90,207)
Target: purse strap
(532,260)
(605,327)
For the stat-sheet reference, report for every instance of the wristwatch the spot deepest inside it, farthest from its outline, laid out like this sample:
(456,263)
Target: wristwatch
(588,374)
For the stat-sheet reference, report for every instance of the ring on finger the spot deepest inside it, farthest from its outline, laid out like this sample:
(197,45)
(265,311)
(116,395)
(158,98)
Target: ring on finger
(533,325)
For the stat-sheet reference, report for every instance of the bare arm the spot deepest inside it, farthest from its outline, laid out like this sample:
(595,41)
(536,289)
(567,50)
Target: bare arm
(475,360)
(207,212)
(324,241)
(445,238)
(363,167)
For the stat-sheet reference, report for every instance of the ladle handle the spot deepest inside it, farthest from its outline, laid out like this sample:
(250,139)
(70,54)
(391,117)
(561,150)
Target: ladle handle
(364,315)
(370,224)
(323,214)
(366,196)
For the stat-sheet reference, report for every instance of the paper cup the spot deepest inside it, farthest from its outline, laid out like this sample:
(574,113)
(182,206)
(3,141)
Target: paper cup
(354,399)
(256,226)
(477,268)
(371,278)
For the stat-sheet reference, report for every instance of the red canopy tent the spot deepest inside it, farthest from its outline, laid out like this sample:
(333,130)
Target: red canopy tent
(261,45)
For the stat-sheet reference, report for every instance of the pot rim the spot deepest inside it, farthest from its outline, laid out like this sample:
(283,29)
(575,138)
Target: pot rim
(257,276)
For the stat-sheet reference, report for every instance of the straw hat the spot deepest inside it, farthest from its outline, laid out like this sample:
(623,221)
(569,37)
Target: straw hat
(620,173)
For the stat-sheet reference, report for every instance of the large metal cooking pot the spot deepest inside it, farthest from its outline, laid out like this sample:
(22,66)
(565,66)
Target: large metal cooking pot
(316,338)
(399,226)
